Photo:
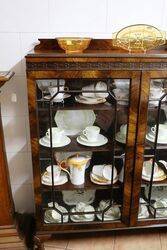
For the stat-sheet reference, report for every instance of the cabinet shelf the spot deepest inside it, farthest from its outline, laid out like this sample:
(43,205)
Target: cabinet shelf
(87,185)
(74,146)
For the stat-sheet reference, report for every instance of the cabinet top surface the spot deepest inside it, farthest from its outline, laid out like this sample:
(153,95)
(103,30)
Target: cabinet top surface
(97,48)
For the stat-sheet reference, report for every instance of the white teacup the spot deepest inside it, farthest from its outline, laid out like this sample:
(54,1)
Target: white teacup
(91,133)
(53,90)
(162,132)
(56,172)
(57,134)
(99,86)
(123,130)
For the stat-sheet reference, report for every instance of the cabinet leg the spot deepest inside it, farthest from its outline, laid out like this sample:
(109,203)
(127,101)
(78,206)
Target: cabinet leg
(40,239)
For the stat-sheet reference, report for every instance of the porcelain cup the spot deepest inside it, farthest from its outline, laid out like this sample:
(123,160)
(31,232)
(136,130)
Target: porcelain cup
(162,132)
(56,172)
(91,133)
(53,90)
(123,130)
(57,134)
(99,86)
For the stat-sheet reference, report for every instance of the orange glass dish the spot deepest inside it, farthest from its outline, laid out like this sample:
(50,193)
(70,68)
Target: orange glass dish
(139,38)
(73,44)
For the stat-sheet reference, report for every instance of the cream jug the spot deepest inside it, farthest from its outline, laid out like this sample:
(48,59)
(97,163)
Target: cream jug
(77,165)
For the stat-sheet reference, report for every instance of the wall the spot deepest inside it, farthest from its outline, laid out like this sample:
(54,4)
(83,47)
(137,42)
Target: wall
(22,22)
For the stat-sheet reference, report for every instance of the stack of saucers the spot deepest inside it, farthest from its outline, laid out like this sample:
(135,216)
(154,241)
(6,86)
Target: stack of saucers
(89,100)
(53,216)
(113,213)
(158,174)
(102,174)
(82,207)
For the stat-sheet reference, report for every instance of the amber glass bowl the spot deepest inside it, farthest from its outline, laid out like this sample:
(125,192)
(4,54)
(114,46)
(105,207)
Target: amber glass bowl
(73,44)
(139,38)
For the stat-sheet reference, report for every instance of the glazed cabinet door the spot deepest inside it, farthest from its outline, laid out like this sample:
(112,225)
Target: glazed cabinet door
(149,202)
(83,130)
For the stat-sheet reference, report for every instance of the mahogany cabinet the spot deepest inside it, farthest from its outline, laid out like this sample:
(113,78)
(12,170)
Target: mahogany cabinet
(128,78)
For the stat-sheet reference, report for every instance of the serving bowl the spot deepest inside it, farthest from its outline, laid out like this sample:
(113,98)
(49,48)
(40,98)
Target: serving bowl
(73,44)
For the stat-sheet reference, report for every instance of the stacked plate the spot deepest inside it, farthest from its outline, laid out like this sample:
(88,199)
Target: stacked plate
(102,174)
(82,207)
(113,213)
(89,100)
(158,175)
(53,216)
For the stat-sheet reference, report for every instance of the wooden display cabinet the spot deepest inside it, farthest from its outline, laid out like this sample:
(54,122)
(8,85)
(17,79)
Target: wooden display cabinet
(100,62)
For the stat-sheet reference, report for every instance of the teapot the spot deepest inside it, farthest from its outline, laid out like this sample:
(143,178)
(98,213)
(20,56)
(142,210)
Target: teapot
(77,165)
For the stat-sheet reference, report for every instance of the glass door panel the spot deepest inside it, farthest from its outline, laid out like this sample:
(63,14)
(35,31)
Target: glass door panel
(82,126)
(153,200)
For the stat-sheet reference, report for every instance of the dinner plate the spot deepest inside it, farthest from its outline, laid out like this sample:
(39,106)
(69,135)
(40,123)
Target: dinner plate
(74,121)
(64,141)
(62,180)
(48,97)
(79,218)
(87,101)
(101,141)
(152,139)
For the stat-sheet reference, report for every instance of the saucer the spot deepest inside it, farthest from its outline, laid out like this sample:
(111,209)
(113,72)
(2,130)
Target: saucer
(104,172)
(64,141)
(120,138)
(148,178)
(98,181)
(152,139)
(102,140)
(48,97)
(89,100)
(62,180)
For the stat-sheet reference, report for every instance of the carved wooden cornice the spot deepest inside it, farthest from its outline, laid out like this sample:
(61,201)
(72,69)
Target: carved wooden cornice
(37,66)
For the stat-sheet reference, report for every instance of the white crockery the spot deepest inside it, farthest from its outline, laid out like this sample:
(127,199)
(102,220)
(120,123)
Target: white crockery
(46,180)
(46,143)
(56,172)
(91,133)
(57,134)
(162,132)
(74,121)
(48,97)
(123,130)
(53,90)
(99,86)
(102,140)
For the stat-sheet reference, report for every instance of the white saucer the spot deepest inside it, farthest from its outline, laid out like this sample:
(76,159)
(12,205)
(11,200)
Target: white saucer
(107,218)
(152,139)
(120,138)
(102,140)
(104,171)
(92,178)
(62,180)
(148,178)
(89,100)
(64,141)
(48,97)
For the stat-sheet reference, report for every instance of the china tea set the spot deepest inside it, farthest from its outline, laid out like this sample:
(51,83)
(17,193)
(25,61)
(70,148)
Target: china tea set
(90,136)
(158,174)
(85,212)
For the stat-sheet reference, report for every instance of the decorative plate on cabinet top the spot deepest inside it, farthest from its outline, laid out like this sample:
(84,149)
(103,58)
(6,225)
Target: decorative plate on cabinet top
(139,38)
(74,121)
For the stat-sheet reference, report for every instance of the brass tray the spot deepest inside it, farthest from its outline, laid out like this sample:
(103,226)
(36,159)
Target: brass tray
(139,38)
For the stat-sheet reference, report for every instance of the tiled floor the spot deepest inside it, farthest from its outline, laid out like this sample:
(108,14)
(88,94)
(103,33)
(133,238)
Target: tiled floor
(111,241)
